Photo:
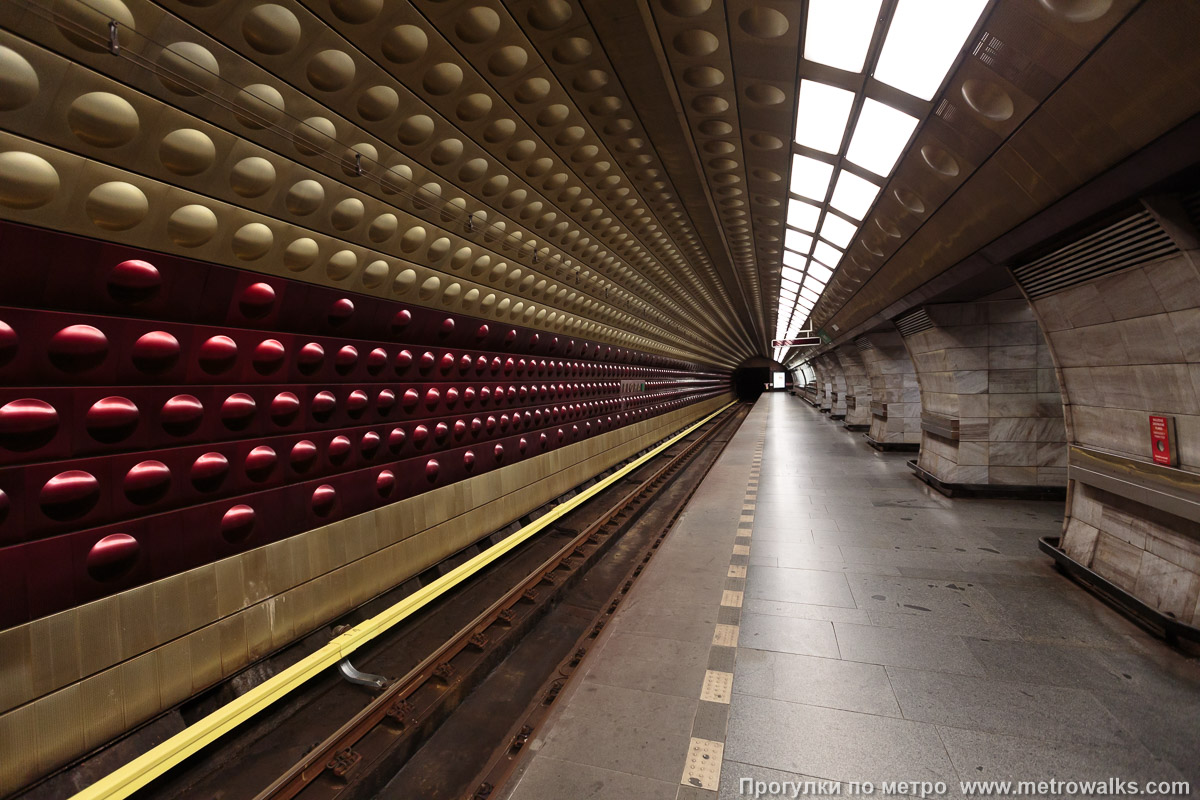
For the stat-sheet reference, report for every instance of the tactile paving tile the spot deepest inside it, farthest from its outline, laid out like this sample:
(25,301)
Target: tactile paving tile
(736,571)
(731,599)
(703,767)
(726,635)
(718,686)
(741,550)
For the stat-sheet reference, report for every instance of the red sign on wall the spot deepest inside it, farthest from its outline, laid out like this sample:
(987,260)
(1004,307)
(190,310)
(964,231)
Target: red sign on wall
(1162,440)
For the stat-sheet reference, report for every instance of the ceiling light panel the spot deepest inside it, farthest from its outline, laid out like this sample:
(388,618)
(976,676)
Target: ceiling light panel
(803,215)
(821,116)
(819,272)
(827,254)
(837,230)
(793,259)
(795,240)
(923,40)
(879,137)
(853,195)
(810,178)
(839,32)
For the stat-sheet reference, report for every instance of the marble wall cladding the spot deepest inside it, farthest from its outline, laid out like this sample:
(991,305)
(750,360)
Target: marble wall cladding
(837,385)
(858,385)
(1128,346)
(893,381)
(1145,551)
(826,382)
(987,366)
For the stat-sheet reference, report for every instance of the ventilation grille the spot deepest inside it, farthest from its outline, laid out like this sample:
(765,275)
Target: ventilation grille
(1132,241)
(863,343)
(946,110)
(1015,66)
(913,322)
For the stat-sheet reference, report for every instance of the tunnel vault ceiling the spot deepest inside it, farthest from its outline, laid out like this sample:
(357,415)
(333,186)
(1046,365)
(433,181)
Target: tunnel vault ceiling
(616,170)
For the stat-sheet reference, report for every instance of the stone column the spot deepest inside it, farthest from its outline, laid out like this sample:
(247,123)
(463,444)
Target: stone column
(824,383)
(858,388)
(836,385)
(1127,346)
(895,394)
(991,412)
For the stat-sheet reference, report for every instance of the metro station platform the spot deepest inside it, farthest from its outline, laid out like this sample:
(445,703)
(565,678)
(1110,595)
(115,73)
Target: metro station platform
(818,614)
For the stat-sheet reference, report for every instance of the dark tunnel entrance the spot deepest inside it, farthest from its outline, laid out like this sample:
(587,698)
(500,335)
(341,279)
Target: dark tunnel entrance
(749,382)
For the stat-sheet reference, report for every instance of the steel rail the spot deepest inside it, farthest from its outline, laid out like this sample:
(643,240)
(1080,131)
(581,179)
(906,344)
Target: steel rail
(390,701)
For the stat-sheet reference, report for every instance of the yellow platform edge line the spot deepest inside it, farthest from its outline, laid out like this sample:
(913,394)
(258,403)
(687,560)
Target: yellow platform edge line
(126,780)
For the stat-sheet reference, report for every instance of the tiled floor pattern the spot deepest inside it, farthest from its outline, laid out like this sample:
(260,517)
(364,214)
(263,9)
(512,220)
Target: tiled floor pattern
(829,618)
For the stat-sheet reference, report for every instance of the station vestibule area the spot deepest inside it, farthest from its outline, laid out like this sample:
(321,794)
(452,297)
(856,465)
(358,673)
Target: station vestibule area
(555,399)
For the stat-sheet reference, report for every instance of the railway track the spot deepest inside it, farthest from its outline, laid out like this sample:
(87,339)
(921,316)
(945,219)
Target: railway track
(570,580)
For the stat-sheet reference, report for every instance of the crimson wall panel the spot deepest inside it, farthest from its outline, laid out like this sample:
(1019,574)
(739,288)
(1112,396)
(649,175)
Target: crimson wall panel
(158,413)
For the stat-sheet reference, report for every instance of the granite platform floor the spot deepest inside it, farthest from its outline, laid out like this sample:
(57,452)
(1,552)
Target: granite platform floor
(818,614)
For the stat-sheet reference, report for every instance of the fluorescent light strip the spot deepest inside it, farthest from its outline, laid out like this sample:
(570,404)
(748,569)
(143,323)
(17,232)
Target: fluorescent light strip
(821,115)
(922,42)
(839,32)
(879,137)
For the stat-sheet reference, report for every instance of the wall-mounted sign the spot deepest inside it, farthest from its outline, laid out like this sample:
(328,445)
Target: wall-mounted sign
(1162,441)
(630,389)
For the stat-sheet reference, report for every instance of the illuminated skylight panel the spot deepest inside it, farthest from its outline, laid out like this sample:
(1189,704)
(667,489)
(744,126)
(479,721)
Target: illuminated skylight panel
(795,275)
(810,178)
(922,42)
(789,287)
(795,240)
(839,32)
(879,137)
(814,284)
(819,272)
(827,254)
(803,215)
(853,195)
(821,116)
(837,230)
(793,259)
(810,295)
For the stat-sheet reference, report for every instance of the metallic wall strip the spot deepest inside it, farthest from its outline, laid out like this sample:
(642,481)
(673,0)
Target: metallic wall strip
(1174,491)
